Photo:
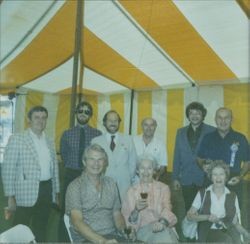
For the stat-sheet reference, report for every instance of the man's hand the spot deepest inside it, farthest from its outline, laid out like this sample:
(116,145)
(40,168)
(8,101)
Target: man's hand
(234,181)
(12,203)
(176,185)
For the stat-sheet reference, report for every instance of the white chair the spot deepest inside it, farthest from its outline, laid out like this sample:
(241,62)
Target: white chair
(17,234)
(67,225)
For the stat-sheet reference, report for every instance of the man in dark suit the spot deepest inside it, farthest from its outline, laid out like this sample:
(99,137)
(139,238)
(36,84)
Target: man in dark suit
(186,173)
(187,176)
(72,145)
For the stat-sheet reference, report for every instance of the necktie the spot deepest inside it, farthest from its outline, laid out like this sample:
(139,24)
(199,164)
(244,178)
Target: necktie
(81,147)
(112,143)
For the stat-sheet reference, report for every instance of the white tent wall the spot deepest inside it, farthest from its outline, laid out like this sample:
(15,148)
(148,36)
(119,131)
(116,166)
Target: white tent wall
(166,106)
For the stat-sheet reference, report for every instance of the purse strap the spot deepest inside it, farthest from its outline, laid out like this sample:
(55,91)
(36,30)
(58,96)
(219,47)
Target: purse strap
(203,194)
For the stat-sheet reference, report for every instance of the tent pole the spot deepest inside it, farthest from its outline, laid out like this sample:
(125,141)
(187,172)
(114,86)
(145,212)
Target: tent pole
(78,34)
(131,110)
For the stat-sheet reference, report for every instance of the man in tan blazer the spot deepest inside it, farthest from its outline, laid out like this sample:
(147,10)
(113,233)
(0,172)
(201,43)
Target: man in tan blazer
(30,174)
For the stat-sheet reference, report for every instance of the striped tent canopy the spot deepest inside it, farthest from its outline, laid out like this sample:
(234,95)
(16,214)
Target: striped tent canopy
(139,44)
(169,52)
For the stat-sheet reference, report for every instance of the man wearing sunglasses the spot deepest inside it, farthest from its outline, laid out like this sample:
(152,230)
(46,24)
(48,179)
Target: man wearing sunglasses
(72,145)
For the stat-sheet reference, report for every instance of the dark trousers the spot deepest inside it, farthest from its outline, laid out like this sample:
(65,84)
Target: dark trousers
(189,193)
(36,217)
(69,175)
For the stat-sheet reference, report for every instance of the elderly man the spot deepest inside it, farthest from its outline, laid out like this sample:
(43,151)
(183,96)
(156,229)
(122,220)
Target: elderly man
(93,204)
(121,152)
(228,145)
(148,143)
(30,174)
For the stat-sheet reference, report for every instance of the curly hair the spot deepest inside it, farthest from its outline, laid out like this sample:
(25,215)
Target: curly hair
(196,106)
(218,164)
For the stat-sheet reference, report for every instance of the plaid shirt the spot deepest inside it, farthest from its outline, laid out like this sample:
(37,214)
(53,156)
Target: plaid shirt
(69,146)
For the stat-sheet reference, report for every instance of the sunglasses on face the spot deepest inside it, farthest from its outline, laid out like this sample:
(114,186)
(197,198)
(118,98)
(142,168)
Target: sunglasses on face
(86,112)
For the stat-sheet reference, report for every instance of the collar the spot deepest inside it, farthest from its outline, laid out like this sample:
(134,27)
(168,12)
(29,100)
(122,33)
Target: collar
(33,135)
(210,188)
(108,135)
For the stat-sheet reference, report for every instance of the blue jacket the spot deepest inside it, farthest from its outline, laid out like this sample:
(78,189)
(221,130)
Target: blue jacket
(185,168)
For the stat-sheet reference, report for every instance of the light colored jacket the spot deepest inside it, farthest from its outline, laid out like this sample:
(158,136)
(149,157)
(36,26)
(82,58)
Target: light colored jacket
(122,161)
(21,170)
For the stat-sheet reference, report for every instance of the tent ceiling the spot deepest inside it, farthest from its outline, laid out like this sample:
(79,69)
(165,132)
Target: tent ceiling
(125,44)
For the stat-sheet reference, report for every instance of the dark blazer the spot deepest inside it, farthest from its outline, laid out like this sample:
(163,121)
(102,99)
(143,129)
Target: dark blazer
(185,168)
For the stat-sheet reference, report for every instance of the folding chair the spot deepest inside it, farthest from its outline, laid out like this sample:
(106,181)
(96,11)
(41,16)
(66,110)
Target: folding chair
(17,234)
(67,225)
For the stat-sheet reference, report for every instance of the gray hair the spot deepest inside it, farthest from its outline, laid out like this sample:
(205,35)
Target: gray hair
(154,121)
(148,157)
(97,148)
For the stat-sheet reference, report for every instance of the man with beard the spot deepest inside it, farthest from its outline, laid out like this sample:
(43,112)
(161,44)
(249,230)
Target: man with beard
(121,152)
(72,145)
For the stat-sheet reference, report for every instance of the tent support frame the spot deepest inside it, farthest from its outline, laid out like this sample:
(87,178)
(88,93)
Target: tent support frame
(78,34)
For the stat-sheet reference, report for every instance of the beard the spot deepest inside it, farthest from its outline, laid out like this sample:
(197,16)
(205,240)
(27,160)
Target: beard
(82,122)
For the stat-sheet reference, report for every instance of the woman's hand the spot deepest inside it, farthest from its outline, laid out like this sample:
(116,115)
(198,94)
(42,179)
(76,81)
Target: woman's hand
(213,218)
(158,227)
(141,204)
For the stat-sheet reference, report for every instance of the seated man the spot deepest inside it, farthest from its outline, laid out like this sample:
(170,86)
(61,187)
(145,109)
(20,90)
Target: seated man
(92,202)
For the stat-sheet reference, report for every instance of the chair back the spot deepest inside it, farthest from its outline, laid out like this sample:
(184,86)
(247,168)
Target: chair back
(17,234)
(67,225)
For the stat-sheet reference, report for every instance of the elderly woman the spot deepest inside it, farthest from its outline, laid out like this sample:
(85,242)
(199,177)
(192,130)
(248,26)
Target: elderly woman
(216,208)
(147,206)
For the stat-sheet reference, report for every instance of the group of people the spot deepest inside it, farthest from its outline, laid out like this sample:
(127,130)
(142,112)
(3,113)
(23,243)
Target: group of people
(112,190)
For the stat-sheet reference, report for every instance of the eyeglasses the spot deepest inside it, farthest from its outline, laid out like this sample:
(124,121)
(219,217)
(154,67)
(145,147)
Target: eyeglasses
(87,112)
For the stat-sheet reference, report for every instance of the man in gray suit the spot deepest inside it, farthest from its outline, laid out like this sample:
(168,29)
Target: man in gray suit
(121,152)
(30,174)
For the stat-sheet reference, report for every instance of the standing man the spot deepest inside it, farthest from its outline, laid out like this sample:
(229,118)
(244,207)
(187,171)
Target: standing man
(148,143)
(187,175)
(121,152)
(230,146)
(30,174)
(73,143)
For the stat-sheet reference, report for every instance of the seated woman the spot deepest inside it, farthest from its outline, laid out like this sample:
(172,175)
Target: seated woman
(216,208)
(92,202)
(147,206)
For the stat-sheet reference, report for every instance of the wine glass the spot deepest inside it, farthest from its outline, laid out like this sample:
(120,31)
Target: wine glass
(144,195)
(144,192)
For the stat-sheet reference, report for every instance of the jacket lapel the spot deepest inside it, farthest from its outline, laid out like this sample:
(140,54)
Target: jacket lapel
(28,140)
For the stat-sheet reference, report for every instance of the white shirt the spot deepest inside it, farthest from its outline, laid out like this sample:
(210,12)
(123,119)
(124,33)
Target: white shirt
(217,205)
(156,148)
(43,155)
(108,136)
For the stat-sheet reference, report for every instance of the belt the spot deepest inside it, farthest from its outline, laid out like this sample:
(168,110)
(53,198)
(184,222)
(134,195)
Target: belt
(45,182)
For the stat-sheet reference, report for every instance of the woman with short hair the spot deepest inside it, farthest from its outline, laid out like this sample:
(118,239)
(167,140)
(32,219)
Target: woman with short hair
(147,206)
(216,208)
